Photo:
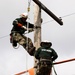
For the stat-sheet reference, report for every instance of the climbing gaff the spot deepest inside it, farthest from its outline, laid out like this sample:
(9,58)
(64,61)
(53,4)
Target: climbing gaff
(48,12)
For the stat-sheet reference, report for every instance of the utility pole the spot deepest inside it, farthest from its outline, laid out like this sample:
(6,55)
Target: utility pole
(37,23)
(37,30)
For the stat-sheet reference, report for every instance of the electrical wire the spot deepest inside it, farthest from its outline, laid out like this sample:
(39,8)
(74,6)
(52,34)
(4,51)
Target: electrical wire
(44,23)
(4,36)
(61,17)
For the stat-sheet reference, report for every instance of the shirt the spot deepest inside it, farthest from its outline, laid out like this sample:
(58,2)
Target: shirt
(46,53)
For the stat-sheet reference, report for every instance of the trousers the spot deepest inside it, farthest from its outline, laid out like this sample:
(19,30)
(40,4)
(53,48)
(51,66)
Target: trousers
(44,67)
(25,42)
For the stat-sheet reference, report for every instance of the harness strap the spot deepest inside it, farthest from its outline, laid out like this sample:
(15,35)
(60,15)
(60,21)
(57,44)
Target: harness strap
(41,59)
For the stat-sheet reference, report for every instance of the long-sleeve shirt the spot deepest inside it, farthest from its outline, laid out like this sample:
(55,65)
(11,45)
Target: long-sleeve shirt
(24,23)
(44,53)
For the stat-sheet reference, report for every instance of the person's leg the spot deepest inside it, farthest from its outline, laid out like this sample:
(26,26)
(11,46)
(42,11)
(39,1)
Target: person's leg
(27,44)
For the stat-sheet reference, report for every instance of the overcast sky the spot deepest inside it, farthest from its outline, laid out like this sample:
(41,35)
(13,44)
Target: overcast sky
(13,60)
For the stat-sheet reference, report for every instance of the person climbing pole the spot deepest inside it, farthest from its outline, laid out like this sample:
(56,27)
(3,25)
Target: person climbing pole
(20,26)
(45,55)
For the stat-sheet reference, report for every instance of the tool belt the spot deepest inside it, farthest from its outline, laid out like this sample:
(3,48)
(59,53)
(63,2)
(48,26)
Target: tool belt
(44,59)
(45,62)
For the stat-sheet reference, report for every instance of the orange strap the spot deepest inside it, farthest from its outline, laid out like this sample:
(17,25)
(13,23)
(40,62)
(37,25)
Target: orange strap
(20,25)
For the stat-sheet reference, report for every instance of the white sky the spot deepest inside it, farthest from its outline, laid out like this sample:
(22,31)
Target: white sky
(13,60)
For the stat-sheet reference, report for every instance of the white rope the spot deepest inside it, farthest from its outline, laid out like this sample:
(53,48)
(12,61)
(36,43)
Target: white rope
(28,10)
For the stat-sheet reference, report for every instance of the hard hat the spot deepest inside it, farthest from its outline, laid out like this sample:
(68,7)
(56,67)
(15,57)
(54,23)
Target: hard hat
(24,15)
(46,42)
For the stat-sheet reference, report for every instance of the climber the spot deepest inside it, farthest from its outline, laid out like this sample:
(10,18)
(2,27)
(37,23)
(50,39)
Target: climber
(45,55)
(20,26)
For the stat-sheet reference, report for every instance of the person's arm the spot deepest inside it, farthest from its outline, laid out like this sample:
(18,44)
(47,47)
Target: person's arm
(16,23)
(54,55)
(30,27)
(37,53)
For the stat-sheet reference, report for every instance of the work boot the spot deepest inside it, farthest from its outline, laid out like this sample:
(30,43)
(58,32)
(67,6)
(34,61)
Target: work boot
(14,43)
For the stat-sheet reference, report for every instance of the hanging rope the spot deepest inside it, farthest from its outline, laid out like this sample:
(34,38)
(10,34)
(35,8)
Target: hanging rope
(29,1)
(28,10)
(54,70)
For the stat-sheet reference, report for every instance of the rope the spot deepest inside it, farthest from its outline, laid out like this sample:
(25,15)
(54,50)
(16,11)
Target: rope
(54,69)
(28,10)
(29,1)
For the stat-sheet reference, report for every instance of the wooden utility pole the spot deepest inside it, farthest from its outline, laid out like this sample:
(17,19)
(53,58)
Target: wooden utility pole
(37,30)
(37,23)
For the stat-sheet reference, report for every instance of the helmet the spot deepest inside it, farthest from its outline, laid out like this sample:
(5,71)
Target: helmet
(46,42)
(24,15)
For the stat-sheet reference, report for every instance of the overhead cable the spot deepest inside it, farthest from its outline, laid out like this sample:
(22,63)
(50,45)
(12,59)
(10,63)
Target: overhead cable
(45,23)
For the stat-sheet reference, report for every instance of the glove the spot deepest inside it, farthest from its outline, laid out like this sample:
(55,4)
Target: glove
(24,27)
